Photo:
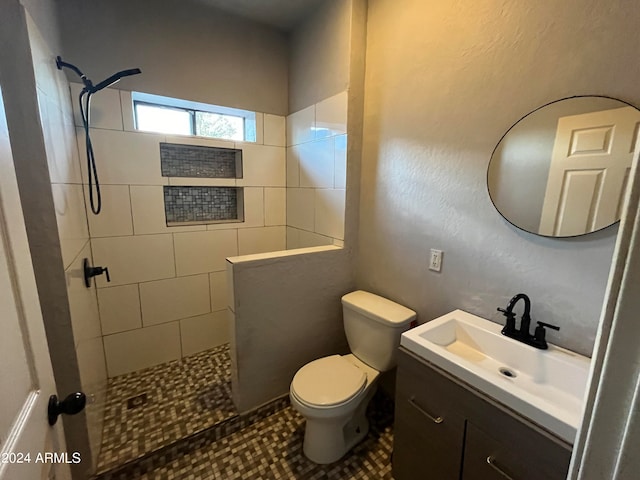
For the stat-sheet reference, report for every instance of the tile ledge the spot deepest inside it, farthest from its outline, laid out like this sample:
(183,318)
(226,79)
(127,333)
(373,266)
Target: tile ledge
(281,254)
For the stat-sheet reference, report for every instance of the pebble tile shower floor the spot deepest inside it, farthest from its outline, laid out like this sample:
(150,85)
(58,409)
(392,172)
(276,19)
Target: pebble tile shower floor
(187,429)
(155,407)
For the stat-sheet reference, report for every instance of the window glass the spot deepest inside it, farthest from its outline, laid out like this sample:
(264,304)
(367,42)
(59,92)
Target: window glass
(219,126)
(155,113)
(163,119)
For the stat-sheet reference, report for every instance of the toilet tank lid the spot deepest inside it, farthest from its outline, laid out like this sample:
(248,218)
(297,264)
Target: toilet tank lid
(378,308)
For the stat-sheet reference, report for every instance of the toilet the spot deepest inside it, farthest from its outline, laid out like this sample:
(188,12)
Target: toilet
(333,392)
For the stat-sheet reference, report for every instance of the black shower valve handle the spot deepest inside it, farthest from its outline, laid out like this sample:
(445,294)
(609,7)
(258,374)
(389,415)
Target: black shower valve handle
(94,271)
(90,271)
(105,270)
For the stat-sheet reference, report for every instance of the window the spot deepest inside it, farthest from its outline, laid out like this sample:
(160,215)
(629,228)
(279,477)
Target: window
(154,113)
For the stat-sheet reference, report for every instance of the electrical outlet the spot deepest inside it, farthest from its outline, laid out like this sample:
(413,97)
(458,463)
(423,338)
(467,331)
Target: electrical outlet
(435,260)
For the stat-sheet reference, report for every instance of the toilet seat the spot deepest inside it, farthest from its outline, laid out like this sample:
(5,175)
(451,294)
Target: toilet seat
(328,381)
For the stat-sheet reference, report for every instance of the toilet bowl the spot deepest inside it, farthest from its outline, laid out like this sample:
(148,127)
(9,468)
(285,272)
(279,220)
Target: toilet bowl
(333,392)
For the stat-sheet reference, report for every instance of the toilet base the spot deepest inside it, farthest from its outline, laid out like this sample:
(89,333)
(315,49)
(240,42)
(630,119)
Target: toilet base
(327,440)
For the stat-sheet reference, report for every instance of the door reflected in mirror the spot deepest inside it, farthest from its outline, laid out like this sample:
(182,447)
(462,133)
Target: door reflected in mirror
(563,169)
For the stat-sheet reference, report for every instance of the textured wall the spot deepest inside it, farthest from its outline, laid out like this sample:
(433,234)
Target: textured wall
(182,47)
(319,55)
(444,81)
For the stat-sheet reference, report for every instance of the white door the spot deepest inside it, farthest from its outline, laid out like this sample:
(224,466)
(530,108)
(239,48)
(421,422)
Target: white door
(26,377)
(589,171)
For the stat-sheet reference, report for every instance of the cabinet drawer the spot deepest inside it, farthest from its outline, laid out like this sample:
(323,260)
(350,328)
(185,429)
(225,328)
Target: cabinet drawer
(486,458)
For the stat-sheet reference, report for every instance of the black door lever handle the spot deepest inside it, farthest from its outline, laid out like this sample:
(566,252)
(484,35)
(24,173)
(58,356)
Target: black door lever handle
(71,405)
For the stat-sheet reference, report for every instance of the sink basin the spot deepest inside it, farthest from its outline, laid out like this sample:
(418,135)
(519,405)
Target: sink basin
(546,386)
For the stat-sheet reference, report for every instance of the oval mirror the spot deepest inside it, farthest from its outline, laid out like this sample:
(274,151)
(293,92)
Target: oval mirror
(563,169)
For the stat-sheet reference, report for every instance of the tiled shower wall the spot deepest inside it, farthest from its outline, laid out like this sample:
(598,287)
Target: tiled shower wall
(56,117)
(167,296)
(316,173)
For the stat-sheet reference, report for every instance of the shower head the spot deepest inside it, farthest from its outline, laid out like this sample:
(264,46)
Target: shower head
(89,87)
(114,78)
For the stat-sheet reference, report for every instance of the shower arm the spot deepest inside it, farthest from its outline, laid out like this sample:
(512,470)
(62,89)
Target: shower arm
(88,85)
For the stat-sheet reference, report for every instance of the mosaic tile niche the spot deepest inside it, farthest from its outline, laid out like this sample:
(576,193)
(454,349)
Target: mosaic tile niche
(200,162)
(193,205)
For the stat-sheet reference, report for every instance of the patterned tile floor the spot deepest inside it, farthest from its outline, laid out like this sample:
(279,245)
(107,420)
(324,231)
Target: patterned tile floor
(183,397)
(272,449)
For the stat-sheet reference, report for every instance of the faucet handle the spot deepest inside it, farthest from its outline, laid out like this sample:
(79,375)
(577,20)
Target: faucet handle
(542,325)
(507,313)
(510,325)
(539,338)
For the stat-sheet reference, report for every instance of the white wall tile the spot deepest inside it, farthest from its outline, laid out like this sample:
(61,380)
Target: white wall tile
(126,158)
(275,130)
(275,206)
(137,349)
(134,259)
(71,218)
(105,108)
(253,204)
(261,240)
(204,252)
(119,308)
(204,332)
(293,166)
(82,300)
(259,139)
(147,205)
(60,143)
(93,381)
(173,299)
(218,285)
(263,166)
(316,161)
(330,213)
(340,175)
(300,208)
(331,116)
(310,239)
(128,117)
(42,57)
(93,372)
(115,216)
(300,126)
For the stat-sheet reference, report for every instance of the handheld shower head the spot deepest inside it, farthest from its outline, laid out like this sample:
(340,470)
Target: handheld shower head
(84,100)
(115,78)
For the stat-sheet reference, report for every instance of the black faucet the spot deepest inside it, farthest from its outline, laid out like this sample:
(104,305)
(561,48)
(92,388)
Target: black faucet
(522,334)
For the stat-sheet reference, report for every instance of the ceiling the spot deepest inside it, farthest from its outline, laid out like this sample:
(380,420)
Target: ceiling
(282,14)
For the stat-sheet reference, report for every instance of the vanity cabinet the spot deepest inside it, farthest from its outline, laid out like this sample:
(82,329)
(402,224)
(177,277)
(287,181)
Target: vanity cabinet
(445,430)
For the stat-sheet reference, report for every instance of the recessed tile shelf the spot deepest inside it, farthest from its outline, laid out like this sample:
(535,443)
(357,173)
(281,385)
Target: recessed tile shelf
(201,205)
(196,161)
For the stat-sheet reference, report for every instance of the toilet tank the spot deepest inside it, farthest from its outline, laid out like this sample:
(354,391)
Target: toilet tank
(373,326)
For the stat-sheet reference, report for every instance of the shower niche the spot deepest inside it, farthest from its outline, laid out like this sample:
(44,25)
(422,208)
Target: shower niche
(210,203)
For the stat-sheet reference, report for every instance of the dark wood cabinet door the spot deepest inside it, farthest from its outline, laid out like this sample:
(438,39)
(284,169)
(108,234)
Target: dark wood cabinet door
(486,458)
(424,449)
(429,430)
